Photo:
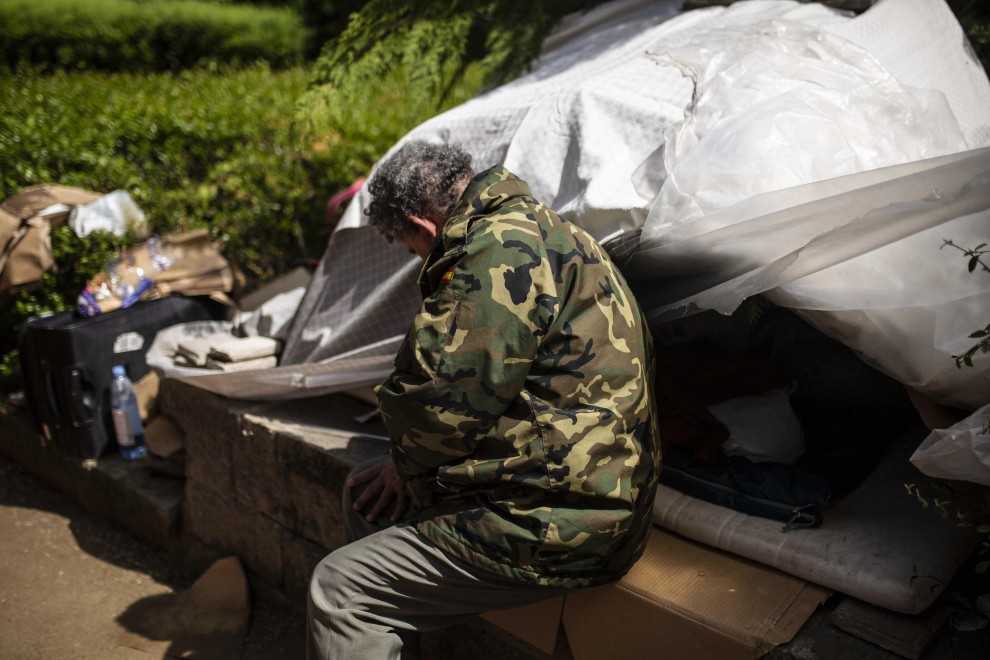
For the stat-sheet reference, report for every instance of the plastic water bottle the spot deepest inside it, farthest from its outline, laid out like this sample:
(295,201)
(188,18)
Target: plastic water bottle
(126,418)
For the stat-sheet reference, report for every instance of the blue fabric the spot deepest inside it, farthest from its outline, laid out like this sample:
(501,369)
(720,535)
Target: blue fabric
(768,490)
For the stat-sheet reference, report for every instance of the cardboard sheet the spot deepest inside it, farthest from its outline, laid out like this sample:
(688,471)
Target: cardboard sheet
(684,600)
(536,624)
(681,600)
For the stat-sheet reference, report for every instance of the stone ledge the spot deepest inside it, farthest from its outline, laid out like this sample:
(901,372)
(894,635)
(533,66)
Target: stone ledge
(144,497)
(263,479)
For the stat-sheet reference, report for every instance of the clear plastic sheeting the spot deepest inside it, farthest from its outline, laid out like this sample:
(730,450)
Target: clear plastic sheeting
(770,146)
(861,257)
(366,366)
(298,381)
(806,171)
(364,291)
(779,104)
(781,236)
(960,452)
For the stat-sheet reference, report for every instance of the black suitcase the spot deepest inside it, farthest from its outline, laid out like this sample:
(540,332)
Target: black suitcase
(66,363)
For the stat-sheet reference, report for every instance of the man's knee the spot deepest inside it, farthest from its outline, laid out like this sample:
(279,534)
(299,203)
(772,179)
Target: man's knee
(329,585)
(328,608)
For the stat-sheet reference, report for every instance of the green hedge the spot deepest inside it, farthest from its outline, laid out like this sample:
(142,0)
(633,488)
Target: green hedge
(153,35)
(227,148)
(216,148)
(202,148)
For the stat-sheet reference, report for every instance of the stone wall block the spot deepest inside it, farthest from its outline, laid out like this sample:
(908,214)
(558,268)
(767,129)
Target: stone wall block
(299,556)
(258,481)
(215,473)
(213,519)
(318,509)
(313,481)
(233,527)
(210,424)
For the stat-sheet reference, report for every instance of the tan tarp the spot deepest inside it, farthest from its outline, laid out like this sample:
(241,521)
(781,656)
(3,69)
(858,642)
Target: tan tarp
(25,231)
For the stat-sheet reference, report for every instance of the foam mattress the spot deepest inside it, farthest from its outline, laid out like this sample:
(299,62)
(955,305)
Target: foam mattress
(878,544)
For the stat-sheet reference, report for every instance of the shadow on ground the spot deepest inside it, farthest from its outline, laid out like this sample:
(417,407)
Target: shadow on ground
(75,585)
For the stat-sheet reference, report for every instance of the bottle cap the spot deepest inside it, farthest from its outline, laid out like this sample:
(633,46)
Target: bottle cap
(118,371)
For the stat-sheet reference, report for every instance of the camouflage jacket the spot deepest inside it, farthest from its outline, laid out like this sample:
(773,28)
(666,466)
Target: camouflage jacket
(521,409)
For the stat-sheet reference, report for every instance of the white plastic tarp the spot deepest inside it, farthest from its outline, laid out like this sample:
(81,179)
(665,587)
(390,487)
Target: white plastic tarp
(960,452)
(745,142)
(861,258)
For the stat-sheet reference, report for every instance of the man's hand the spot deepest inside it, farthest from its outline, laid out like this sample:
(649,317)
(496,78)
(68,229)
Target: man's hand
(383,482)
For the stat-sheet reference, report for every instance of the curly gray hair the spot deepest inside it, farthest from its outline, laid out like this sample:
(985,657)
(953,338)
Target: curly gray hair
(419,179)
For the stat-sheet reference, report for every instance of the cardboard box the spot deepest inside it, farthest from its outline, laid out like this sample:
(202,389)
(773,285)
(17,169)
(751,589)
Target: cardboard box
(681,600)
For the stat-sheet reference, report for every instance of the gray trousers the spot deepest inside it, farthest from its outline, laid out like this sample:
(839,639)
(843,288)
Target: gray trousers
(390,581)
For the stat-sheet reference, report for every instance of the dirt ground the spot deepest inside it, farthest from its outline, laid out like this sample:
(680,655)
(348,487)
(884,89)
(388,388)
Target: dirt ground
(68,577)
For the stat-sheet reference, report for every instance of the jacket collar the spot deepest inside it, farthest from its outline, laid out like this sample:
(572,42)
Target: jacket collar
(485,193)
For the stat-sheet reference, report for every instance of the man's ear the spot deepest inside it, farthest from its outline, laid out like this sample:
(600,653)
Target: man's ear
(425,224)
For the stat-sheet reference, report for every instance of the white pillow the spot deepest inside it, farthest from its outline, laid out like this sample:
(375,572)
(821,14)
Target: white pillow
(762,427)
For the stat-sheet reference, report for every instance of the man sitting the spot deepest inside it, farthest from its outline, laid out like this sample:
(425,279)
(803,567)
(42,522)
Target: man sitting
(524,453)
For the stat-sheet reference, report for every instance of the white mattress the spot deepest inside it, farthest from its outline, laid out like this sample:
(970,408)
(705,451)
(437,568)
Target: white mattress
(878,544)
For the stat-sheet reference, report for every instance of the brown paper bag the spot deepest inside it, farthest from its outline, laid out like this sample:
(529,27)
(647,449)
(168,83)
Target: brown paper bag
(25,234)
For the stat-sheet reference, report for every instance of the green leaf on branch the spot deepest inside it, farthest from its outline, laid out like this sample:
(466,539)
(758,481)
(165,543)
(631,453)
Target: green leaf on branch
(436,43)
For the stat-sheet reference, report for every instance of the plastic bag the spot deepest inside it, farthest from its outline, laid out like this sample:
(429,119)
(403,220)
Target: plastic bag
(114,212)
(806,171)
(189,264)
(960,452)
(121,285)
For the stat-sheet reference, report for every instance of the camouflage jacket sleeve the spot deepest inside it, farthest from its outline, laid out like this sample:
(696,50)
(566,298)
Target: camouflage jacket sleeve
(470,348)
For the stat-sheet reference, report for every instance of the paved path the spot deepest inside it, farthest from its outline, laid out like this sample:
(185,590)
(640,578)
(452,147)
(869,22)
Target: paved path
(67,576)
